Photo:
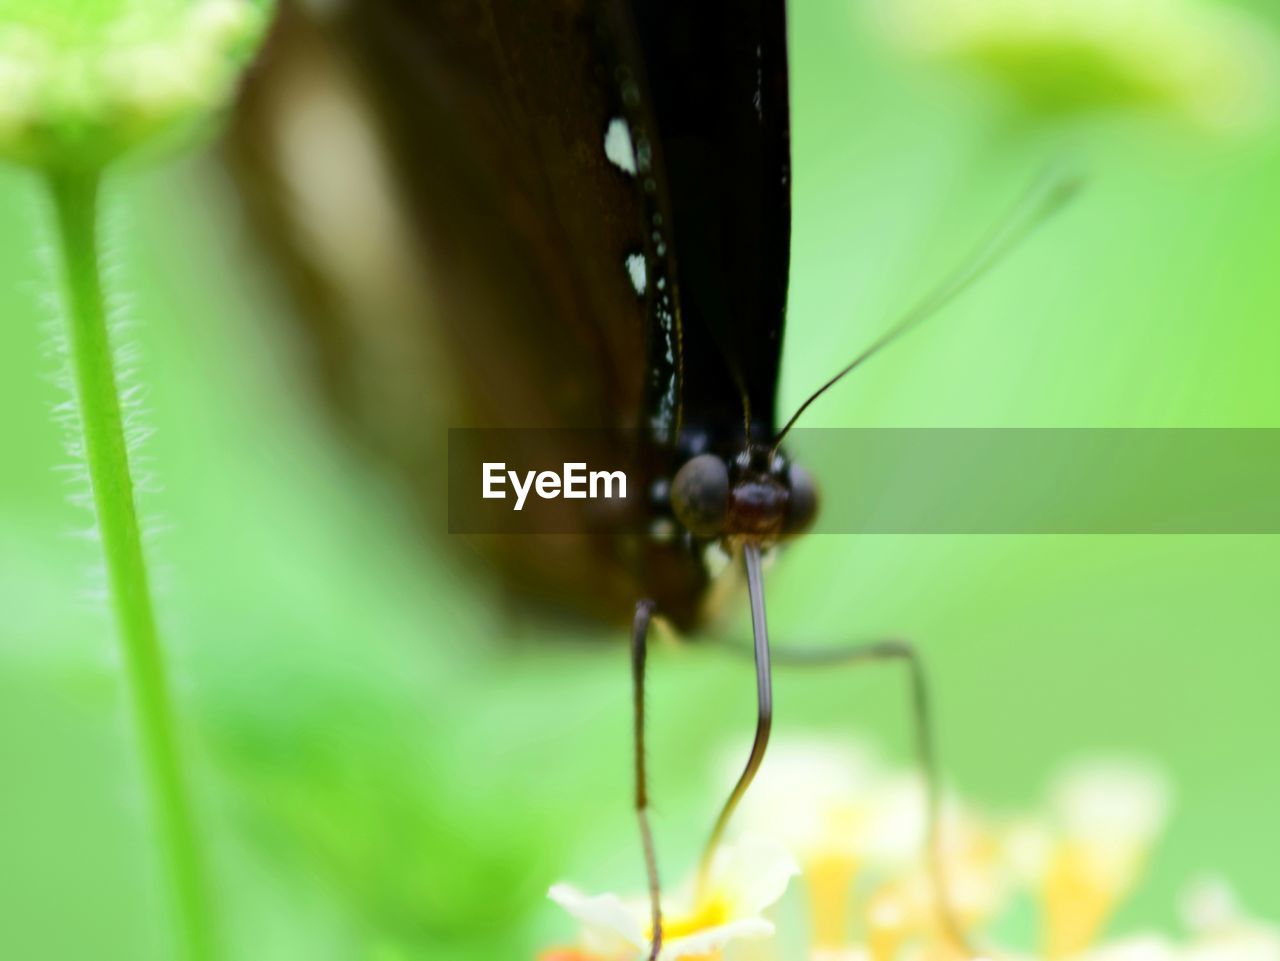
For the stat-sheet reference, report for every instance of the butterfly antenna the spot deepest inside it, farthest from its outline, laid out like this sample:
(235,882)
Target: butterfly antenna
(1047,197)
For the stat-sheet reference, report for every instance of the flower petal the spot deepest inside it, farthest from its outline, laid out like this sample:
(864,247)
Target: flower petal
(609,925)
(713,939)
(1142,947)
(753,874)
(1111,800)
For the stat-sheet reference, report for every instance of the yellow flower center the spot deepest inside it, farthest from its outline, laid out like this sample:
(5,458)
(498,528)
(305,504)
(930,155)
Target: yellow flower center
(711,911)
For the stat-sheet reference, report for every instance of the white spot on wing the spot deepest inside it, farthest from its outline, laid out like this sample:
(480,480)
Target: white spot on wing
(618,147)
(665,317)
(639,274)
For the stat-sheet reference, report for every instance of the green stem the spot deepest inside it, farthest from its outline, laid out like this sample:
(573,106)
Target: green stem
(75,198)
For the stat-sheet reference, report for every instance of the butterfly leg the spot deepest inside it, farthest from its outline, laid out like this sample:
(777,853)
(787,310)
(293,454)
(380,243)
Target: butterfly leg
(639,654)
(905,653)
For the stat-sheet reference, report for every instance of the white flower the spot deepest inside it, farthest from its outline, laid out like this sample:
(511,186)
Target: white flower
(1142,947)
(1209,905)
(834,800)
(1107,813)
(1104,816)
(812,795)
(745,878)
(1224,932)
(1073,861)
(1111,800)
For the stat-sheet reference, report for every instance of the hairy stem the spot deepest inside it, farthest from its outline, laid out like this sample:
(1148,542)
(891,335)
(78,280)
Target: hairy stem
(75,197)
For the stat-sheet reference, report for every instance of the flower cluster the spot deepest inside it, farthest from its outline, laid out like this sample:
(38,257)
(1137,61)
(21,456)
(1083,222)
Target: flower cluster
(744,880)
(81,84)
(1212,64)
(854,835)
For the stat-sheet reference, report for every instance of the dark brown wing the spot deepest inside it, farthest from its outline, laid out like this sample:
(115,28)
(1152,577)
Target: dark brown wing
(717,89)
(509,302)
(581,220)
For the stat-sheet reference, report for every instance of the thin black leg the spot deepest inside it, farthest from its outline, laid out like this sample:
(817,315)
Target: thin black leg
(639,653)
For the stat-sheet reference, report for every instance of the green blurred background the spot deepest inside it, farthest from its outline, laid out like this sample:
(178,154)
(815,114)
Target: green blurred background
(392,766)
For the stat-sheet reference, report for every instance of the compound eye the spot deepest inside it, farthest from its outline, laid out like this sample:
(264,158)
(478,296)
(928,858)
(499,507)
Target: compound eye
(803,504)
(700,495)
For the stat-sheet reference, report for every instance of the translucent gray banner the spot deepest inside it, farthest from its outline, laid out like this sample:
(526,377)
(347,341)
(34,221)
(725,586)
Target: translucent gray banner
(898,481)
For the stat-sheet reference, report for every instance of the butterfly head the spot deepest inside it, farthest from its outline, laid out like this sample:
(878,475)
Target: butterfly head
(758,497)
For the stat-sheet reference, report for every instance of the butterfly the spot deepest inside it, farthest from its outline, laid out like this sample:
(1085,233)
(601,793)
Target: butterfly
(585,206)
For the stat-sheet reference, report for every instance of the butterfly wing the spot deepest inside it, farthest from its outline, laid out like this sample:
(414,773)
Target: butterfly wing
(717,85)
(497,285)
